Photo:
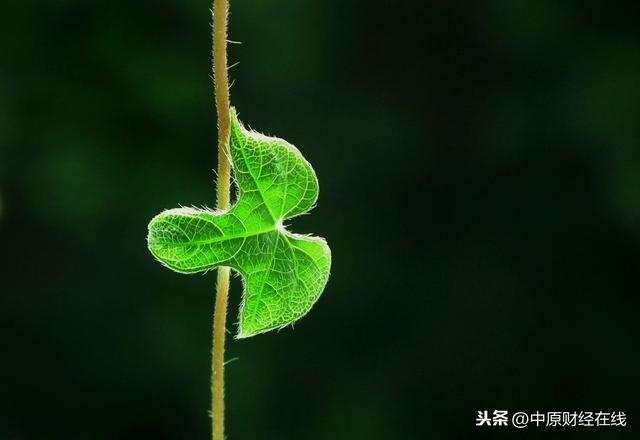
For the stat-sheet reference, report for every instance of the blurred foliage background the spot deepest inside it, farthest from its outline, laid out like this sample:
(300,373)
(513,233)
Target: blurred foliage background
(479,165)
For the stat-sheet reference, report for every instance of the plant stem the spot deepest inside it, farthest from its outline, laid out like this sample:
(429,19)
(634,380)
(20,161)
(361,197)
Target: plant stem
(217,366)
(221,84)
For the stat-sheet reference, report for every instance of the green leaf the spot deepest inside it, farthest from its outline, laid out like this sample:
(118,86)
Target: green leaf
(284,273)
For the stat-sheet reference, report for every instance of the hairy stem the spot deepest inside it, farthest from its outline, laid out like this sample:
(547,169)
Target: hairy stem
(221,83)
(217,367)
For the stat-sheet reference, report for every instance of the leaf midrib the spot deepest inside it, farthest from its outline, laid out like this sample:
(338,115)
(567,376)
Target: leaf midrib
(216,239)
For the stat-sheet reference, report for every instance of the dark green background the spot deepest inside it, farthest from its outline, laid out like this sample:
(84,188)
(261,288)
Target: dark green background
(479,165)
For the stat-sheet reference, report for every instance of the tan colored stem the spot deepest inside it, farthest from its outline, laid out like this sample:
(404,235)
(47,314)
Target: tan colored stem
(217,368)
(221,83)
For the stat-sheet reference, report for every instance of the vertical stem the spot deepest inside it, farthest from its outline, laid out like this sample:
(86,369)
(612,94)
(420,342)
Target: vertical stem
(221,83)
(217,366)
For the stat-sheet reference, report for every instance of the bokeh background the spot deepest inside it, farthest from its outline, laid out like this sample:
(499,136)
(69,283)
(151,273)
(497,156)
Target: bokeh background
(479,166)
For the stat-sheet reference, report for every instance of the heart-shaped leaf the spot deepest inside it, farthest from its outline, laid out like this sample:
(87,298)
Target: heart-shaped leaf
(284,273)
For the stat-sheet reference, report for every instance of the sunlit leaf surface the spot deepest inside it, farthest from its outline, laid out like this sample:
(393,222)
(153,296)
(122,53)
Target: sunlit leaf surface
(284,273)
